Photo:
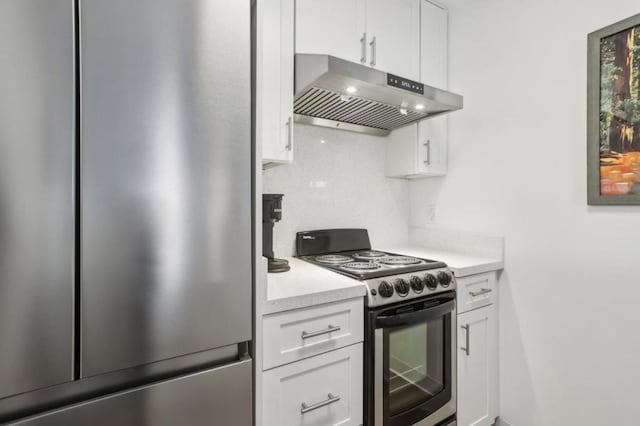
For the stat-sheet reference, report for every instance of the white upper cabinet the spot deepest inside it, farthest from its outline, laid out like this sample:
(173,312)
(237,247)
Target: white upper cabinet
(433,45)
(393,33)
(403,37)
(433,133)
(274,79)
(383,34)
(420,150)
(332,27)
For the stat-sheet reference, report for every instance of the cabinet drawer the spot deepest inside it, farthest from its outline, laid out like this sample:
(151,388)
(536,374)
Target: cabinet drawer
(321,390)
(475,291)
(294,335)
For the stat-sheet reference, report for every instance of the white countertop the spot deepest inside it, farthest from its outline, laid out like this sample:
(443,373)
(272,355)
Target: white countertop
(307,285)
(461,264)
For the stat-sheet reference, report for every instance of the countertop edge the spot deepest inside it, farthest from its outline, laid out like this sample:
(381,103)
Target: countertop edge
(274,306)
(461,264)
(490,266)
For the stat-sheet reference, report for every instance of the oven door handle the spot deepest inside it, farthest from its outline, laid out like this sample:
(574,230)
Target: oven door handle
(414,317)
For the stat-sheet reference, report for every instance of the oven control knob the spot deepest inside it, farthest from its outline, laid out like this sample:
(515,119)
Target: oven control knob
(402,287)
(444,278)
(416,284)
(431,281)
(385,289)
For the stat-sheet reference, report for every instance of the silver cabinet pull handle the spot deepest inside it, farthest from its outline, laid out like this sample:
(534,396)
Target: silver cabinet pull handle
(304,408)
(466,348)
(363,49)
(373,51)
(480,292)
(289,133)
(427,145)
(328,330)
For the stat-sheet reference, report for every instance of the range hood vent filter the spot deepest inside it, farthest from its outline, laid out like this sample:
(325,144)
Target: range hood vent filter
(319,106)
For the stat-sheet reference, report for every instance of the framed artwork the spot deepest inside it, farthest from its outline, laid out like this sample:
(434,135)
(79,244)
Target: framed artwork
(613,114)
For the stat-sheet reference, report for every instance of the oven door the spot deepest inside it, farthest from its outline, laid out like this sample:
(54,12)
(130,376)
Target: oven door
(414,362)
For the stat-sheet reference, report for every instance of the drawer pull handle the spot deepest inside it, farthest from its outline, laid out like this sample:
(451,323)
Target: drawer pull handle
(328,330)
(480,292)
(304,408)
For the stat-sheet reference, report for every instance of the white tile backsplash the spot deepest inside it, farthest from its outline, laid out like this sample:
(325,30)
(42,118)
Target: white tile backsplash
(464,242)
(337,180)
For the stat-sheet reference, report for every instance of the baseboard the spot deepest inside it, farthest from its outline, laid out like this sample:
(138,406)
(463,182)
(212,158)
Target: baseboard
(500,422)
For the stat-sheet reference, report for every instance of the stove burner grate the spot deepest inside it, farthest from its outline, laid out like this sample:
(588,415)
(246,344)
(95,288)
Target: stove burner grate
(360,266)
(400,260)
(367,255)
(333,258)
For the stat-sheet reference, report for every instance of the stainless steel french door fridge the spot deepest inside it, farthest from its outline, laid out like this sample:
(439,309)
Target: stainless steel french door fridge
(125,212)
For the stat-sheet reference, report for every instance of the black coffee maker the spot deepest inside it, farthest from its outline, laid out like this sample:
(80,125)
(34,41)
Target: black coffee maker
(271,213)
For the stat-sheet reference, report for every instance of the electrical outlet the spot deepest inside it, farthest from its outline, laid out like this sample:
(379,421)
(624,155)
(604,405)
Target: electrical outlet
(431,213)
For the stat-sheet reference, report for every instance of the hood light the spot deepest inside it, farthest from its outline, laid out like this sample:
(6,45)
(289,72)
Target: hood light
(419,107)
(351,90)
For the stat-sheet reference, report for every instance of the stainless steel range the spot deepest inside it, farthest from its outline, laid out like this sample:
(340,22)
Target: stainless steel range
(410,341)
(390,277)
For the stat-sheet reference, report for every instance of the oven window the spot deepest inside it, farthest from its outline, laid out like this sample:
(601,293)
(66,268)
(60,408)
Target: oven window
(416,365)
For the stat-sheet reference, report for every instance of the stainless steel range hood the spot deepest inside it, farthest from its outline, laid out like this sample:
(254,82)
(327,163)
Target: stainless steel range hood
(335,93)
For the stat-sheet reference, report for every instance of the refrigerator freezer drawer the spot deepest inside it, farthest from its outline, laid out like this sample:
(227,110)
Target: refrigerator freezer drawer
(220,396)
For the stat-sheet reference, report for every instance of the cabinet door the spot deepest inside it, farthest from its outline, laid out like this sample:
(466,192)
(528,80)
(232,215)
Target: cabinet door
(331,27)
(396,28)
(432,146)
(321,390)
(433,44)
(401,152)
(432,133)
(478,367)
(420,150)
(275,79)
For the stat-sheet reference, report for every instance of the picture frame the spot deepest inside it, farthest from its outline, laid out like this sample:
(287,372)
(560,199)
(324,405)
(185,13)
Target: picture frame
(613,114)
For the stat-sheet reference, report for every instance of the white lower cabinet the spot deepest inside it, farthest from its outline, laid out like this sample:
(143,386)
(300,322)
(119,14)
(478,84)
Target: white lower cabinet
(476,291)
(323,390)
(478,367)
(301,333)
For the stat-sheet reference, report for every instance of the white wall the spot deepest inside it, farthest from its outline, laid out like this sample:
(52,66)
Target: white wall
(570,326)
(337,180)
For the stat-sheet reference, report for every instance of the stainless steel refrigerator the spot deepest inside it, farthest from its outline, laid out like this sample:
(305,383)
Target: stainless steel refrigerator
(125,212)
